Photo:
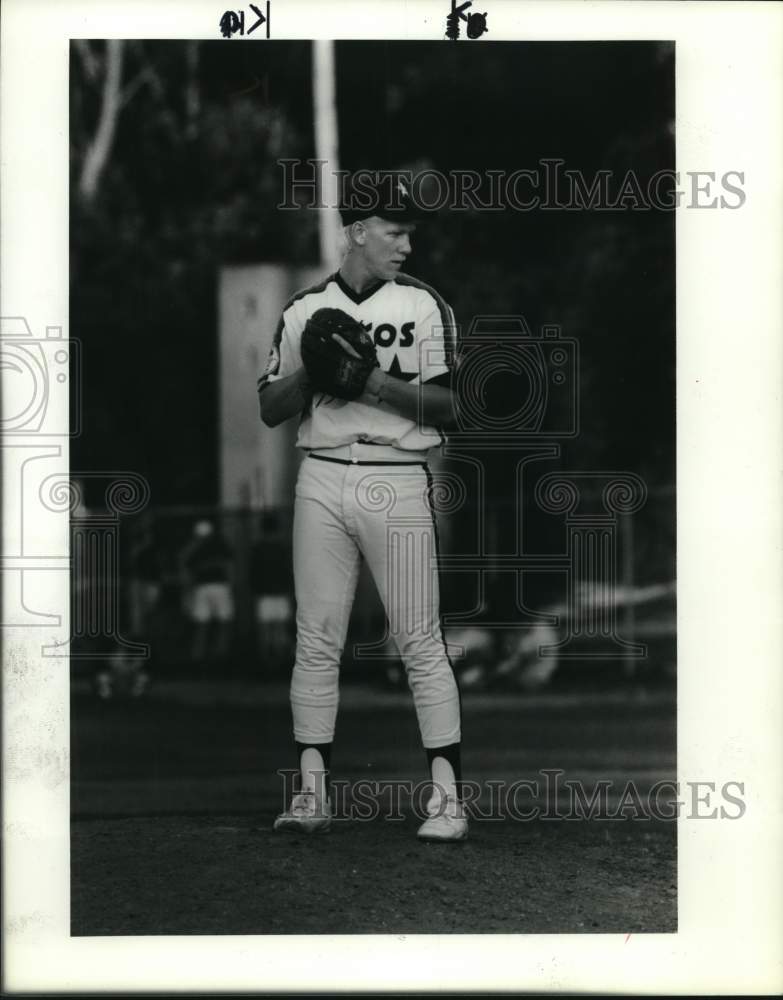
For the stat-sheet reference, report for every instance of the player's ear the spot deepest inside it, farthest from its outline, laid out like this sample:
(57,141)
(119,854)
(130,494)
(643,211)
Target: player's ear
(359,233)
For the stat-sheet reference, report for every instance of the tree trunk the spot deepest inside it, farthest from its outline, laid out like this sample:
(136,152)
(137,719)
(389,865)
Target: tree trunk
(100,147)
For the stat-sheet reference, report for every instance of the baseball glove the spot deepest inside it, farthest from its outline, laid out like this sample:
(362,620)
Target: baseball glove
(338,353)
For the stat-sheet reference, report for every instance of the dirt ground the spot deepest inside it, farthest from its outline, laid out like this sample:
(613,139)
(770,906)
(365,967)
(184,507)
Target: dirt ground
(173,800)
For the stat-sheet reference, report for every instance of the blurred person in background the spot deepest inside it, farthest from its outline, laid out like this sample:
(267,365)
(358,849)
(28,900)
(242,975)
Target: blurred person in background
(144,582)
(207,565)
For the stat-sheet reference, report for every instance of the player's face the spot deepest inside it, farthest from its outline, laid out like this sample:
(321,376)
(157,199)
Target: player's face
(386,247)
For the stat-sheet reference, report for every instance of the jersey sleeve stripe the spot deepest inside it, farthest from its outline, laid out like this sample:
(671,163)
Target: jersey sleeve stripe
(446,315)
(278,336)
(311,290)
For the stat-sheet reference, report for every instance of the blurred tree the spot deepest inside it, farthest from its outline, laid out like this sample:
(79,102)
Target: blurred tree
(99,146)
(173,163)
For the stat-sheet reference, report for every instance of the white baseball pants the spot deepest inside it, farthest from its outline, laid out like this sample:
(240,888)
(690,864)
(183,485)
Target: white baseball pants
(344,512)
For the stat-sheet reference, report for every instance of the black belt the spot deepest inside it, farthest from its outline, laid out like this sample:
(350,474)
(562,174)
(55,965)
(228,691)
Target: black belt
(348,461)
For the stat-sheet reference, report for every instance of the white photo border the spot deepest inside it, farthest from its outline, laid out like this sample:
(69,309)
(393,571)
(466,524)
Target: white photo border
(729,67)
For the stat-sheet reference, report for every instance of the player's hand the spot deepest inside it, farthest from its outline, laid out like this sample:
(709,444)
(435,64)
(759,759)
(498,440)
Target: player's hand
(374,384)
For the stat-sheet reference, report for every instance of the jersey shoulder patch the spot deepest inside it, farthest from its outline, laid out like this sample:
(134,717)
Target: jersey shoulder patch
(273,362)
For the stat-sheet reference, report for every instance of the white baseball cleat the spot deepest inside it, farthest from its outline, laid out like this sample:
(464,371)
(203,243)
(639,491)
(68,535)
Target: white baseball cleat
(306,815)
(446,820)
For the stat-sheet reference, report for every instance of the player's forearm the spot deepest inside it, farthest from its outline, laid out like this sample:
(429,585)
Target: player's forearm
(431,405)
(284,398)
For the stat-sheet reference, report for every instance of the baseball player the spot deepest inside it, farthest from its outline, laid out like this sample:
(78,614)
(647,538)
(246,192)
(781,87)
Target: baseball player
(365,360)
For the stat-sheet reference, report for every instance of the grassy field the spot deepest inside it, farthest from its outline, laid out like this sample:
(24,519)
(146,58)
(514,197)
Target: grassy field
(173,798)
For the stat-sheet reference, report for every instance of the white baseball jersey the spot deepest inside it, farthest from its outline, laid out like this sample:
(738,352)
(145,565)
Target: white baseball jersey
(415,337)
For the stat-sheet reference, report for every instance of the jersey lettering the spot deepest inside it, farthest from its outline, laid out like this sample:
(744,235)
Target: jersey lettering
(385,334)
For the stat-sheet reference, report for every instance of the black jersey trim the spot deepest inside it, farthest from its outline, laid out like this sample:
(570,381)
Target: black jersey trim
(357,297)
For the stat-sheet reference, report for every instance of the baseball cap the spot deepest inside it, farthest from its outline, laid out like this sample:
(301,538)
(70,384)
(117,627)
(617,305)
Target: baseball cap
(385,194)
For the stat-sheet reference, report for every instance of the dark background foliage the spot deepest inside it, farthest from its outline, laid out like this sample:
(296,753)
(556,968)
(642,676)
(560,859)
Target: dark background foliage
(192,180)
